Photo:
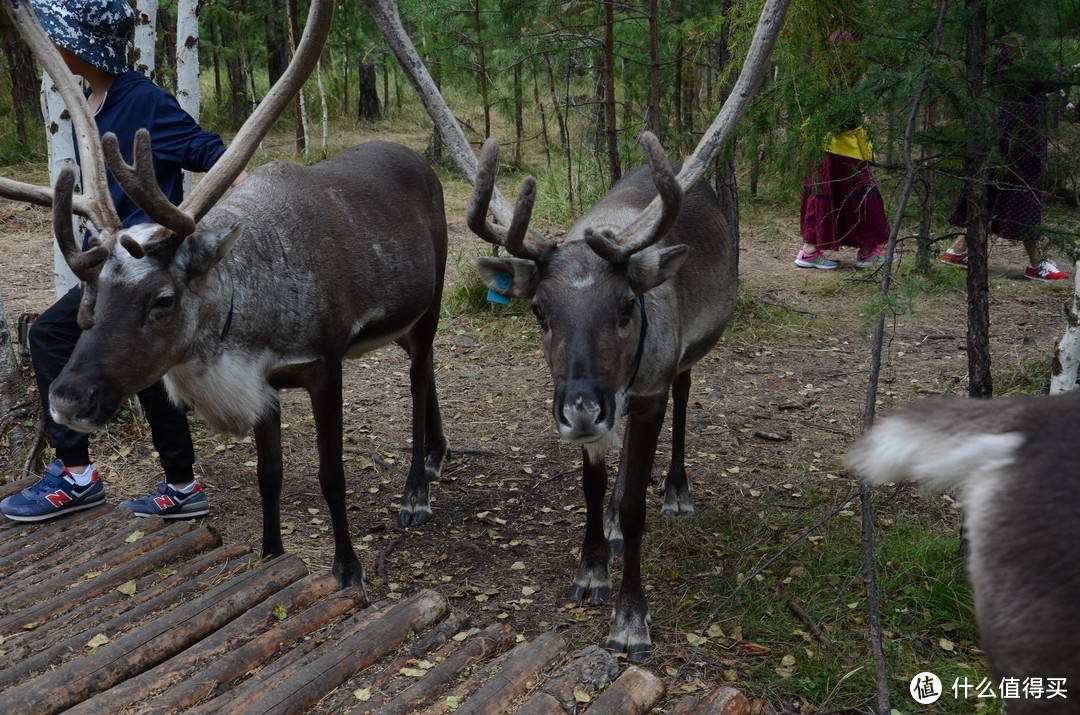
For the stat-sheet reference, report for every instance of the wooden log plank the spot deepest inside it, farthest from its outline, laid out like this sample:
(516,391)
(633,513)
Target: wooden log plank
(89,545)
(494,639)
(17,485)
(21,535)
(159,549)
(203,683)
(112,552)
(461,692)
(291,600)
(588,671)
(290,662)
(194,577)
(342,660)
(152,643)
(635,692)
(725,700)
(378,683)
(513,680)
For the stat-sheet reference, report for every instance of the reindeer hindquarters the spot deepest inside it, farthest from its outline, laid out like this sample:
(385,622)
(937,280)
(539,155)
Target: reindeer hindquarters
(630,620)
(268,451)
(676,488)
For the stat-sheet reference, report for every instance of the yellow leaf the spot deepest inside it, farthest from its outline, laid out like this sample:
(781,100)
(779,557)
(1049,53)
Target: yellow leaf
(363,694)
(166,572)
(453,701)
(96,642)
(580,696)
(287,528)
(695,640)
(518,566)
(31,626)
(413,672)
(127,588)
(135,536)
(715,632)
(527,590)
(280,612)
(91,574)
(946,644)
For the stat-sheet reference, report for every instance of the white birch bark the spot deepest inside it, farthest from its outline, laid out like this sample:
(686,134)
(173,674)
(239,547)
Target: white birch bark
(1067,354)
(325,107)
(187,64)
(146,38)
(61,154)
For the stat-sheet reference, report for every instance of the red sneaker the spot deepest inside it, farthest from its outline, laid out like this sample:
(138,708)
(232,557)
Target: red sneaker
(1045,271)
(950,258)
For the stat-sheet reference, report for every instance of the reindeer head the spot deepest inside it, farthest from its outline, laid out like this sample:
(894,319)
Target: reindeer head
(588,296)
(140,283)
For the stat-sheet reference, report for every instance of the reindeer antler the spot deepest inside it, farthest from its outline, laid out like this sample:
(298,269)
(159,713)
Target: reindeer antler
(96,203)
(512,238)
(246,141)
(645,229)
(140,183)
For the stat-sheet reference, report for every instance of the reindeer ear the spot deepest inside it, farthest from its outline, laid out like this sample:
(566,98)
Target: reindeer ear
(651,267)
(523,276)
(204,250)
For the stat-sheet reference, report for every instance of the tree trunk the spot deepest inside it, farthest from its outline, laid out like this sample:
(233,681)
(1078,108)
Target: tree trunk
(654,71)
(301,111)
(677,93)
(369,93)
(146,38)
(1067,354)
(611,128)
(61,155)
(482,69)
(543,116)
(519,125)
(980,382)
(168,48)
(385,83)
(24,79)
(187,65)
(9,365)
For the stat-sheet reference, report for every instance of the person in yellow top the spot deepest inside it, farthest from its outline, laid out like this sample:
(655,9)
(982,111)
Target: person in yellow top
(841,204)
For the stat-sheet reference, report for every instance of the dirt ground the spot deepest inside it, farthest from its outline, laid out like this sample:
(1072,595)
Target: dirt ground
(773,409)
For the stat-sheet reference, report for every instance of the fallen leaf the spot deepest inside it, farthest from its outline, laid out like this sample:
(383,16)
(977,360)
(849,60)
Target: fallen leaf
(580,696)
(280,612)
(695,640)
(453,701)
(96,642)
(946,644)
(363,694)
(135,536)
(32,625)
(127,588)
(413,672)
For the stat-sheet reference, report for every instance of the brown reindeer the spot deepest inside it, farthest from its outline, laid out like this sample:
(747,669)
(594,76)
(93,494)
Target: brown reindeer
(296,270)
(1020,494)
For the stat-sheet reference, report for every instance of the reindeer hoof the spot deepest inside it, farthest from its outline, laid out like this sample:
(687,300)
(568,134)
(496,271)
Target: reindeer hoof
(414,516)
(596,596)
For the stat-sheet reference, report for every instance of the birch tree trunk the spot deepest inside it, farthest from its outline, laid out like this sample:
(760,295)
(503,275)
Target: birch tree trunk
(325,108)
(187,64)
(9,365)
(146,38)
(61,155)
(1067,354)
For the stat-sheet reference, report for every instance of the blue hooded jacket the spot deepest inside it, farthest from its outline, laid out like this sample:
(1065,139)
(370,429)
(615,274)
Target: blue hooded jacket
(134,102)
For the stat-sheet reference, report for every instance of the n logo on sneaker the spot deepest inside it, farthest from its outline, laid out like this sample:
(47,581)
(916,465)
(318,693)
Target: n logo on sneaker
(58,498)
(164,502)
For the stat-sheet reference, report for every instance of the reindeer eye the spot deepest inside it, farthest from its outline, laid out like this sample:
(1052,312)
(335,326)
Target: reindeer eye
(163,303)
(540,318)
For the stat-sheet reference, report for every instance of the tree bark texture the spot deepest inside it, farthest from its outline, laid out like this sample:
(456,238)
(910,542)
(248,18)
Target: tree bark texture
(369,93)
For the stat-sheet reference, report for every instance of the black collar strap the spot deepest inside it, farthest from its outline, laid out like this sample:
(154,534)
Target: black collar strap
(641,342)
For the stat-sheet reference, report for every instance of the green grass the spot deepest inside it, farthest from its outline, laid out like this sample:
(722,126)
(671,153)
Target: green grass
(927,615)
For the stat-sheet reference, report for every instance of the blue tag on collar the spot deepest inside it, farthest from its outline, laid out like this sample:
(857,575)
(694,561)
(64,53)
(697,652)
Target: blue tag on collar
(503,281)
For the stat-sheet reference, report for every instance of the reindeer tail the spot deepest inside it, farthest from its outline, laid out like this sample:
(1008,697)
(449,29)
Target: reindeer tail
(939,442)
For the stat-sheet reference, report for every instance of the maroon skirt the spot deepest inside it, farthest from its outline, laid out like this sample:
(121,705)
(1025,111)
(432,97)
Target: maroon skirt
(841,206)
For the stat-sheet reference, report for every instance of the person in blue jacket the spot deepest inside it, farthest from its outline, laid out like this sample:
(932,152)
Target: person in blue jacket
(92,36)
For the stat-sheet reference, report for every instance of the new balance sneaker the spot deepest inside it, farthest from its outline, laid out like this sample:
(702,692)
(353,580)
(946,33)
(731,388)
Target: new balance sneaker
(952,258)
(873,259)
(168,503)
(816,259)
(56,493)
(1045,271)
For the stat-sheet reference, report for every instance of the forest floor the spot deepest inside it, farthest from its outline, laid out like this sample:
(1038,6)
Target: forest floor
(772,410)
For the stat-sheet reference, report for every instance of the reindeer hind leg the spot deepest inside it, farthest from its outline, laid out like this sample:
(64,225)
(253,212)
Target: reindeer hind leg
(676,487)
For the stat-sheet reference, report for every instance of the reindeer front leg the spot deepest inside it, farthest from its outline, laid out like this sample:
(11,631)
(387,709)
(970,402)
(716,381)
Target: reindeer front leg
(593,579)
(630,620)
(326,404)
(269,471)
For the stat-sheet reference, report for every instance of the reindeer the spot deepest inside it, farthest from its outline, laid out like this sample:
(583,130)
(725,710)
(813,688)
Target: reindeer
(624,317)
(296,270)
(1020,493)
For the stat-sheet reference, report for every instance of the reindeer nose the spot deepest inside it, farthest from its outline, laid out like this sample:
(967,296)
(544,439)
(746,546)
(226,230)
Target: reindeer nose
(583,409)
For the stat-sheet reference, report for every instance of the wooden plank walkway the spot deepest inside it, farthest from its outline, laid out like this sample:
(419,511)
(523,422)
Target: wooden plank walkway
(97,617)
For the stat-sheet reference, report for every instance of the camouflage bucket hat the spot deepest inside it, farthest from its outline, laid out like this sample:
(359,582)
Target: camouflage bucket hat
(98,31)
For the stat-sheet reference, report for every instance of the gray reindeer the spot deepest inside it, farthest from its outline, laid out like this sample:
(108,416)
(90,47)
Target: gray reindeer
(1020,495)
(626,305)
(298,269)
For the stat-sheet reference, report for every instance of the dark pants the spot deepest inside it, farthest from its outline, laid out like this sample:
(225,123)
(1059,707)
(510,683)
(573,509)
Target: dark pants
(52,340)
